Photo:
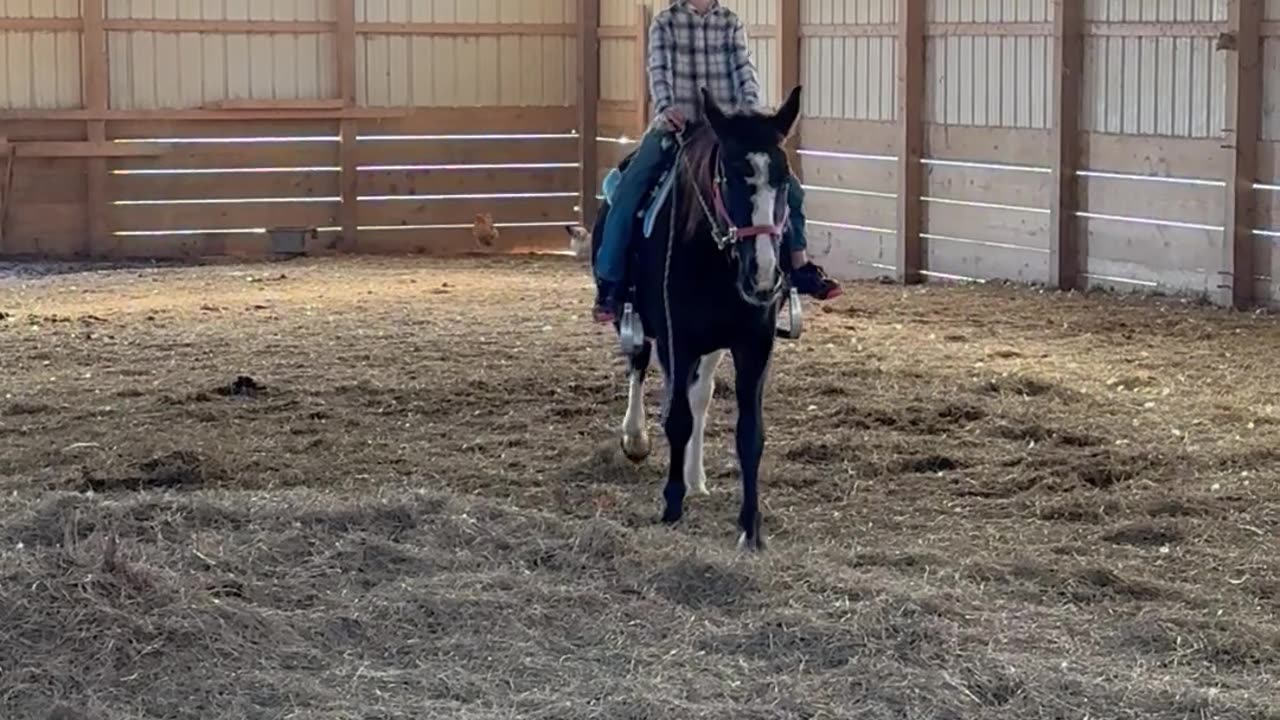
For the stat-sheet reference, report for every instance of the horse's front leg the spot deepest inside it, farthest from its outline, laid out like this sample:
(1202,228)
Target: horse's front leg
(678,426)
(751,366)
(701,391)
(635,431)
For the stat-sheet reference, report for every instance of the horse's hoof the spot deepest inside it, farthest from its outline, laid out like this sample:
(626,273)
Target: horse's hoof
(636,449)
(671,516)
(752,545)
(700,490)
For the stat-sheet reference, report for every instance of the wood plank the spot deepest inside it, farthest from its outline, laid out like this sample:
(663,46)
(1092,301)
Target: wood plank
(1068,90)
(985,262)
(219,216)
(237,156)
(1156,156)
(449,212)
(863,210)
(238,185)
(472,121)
(254,104)
(230,116)
(453,242)
(1267,204)
(588,108)
(95,72)
(445,182)
(27,130)
(1009,146)
(1269,162)
(49,229)
(970,222)
(853,254)
(206,129)
(237,27)
(989,185)
(1176,258)
(466,152)
(429,29)
(1152,199)
(39,25)
(48,180)
(1243,130)
(789,71)
(89,149)
(849,173)
(849,136)
(345,45)
(912,137)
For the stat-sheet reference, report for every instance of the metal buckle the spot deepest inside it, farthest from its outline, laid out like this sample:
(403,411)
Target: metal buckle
(630,331)
(795,317)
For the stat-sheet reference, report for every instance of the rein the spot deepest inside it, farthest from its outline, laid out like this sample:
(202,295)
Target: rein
(727,236)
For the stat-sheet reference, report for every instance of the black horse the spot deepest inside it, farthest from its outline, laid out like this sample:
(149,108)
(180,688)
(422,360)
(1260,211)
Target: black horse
(709,280)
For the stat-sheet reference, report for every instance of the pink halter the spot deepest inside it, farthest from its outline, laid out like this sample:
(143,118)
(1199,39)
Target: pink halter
(747,232)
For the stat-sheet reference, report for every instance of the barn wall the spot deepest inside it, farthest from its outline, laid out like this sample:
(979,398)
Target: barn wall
(1152,169)
(224,119)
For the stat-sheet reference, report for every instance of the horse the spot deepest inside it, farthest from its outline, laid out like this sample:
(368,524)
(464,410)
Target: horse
(709,281)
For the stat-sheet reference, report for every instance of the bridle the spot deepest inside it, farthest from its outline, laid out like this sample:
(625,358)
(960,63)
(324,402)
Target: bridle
(725,234)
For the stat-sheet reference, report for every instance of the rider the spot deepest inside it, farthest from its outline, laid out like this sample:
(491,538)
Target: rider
(693,43)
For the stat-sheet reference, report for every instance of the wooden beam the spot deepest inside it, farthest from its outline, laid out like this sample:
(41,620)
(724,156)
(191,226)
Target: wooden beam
(96,92)
(789,69)
(7,162)
(1243,128)
(90,149)
(252,104)
(911,137)
(239,27)
(1068,81)
(427,29)
(588,107)
(643,118)
(348,153)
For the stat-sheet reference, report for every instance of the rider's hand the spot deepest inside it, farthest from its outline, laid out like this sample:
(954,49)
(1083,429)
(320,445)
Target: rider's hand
(675,119)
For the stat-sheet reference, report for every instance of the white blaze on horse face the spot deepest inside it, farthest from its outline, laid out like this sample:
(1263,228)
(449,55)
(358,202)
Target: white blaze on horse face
(763,200)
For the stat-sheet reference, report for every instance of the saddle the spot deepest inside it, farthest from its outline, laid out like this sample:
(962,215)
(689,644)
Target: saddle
(657,194)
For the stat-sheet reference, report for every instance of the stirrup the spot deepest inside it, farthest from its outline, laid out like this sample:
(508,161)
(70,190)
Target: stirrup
(630,331)
(794,326)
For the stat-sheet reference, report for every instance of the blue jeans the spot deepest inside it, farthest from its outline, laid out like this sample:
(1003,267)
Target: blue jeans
(633,188)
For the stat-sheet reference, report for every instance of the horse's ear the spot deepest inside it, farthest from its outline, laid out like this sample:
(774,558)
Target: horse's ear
(785,119)
(715,116)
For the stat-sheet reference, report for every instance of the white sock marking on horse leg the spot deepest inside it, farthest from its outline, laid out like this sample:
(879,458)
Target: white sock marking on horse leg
(762,205)
(635,433)
(700,394)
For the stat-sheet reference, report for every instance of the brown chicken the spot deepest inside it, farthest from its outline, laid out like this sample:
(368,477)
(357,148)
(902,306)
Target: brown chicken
(484,231)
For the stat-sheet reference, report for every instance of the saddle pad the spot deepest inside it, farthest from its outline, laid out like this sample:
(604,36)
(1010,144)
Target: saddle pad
(650,211)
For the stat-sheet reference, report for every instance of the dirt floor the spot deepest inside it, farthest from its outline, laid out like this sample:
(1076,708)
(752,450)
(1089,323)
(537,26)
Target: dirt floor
(390,489)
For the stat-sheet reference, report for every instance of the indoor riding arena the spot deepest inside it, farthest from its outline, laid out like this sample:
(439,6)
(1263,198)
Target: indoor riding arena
(303,413)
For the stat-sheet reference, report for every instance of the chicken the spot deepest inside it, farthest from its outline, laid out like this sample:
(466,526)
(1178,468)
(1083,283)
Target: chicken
(484,231)
(579,241)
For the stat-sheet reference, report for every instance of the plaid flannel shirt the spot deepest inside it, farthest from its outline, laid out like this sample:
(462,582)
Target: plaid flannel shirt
(688,51)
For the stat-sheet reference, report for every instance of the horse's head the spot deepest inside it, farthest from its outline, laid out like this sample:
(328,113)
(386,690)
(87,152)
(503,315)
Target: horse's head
(751,186)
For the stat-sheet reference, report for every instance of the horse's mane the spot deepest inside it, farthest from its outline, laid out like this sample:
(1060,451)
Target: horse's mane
(697,176)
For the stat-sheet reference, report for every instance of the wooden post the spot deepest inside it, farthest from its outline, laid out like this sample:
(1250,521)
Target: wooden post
(588,107)
(911,79)
(96,93)
(1068,79)
(349,179)
(643,117)
(789,69)
(1243,127)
